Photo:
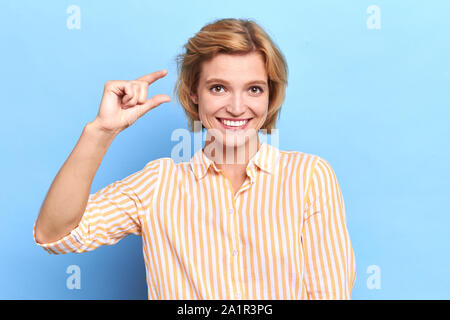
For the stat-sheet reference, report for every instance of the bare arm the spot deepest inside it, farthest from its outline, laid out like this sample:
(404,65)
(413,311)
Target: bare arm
(67,197)
(123,102)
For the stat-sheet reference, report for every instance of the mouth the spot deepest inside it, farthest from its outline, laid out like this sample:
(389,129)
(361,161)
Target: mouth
(237,124)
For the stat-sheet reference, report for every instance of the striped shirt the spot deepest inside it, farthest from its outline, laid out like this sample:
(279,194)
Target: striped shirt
(282,235)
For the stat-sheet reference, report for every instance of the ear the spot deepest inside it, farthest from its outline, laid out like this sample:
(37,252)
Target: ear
(194,98)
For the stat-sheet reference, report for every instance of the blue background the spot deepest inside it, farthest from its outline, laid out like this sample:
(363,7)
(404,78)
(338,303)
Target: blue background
(374,103)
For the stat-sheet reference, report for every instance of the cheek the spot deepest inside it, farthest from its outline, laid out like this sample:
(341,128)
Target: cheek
(209,106)
(207,111)
(202,116)
(262,109)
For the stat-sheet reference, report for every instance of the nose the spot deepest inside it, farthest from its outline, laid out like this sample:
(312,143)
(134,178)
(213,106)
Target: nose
(237,106)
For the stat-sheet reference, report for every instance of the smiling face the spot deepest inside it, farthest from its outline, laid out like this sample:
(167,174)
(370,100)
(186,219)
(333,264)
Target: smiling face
(233,97)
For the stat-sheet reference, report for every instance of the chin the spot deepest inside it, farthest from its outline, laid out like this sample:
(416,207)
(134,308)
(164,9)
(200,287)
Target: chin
(232,138)
(235,143)
(238,139)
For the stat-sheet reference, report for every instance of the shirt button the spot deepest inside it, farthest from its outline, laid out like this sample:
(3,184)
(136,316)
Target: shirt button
(235,252)
(230,211)
(237,295)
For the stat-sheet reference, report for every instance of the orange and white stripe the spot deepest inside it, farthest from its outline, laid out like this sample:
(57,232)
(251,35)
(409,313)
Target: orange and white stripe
(283,235)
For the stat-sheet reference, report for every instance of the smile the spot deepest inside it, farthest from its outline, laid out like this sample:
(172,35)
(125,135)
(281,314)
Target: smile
(234,124)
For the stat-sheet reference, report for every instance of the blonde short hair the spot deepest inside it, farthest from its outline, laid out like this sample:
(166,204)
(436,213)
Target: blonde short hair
(231,36)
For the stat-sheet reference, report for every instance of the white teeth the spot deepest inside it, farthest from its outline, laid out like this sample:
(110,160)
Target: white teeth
(234,123)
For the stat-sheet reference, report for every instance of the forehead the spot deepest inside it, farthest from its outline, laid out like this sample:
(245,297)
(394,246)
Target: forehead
(232,67)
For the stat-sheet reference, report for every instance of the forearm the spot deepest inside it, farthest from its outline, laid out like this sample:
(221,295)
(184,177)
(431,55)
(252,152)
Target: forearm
(67,197)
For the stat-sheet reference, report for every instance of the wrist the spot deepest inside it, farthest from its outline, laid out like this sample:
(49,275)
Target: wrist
(94,129)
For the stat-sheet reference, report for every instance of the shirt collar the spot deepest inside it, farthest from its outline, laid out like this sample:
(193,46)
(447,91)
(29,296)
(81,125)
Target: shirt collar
(266,159)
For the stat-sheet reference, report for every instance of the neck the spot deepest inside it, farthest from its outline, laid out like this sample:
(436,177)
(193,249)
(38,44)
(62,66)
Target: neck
(231,157)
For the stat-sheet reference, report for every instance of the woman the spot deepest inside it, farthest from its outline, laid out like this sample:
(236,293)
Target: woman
(241,219)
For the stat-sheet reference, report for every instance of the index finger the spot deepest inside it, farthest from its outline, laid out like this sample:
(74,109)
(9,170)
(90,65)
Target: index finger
(152,77)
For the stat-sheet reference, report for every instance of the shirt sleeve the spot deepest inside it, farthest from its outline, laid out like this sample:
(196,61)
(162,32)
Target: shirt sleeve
(111,213)
(329,258)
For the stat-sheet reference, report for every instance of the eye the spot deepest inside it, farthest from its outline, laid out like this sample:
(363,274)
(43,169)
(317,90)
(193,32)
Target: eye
(256,89)
(216,86)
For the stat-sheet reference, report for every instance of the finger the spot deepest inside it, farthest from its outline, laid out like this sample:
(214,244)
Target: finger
(125,99)
(151,103)
(128,90)
(152,77)
(134,99)
(142,91)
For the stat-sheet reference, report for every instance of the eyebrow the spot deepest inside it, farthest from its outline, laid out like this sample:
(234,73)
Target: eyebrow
(226,82)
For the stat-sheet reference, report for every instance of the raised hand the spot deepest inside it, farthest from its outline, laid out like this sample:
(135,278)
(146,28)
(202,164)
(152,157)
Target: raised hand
(123,102)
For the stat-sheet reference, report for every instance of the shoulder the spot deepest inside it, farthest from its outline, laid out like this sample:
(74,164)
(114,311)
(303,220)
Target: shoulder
(157,163)
(166,165)
(298,158)
(305,164)
(151,169)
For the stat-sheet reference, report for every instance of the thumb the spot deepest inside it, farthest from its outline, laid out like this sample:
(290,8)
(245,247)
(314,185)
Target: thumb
(153,102)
